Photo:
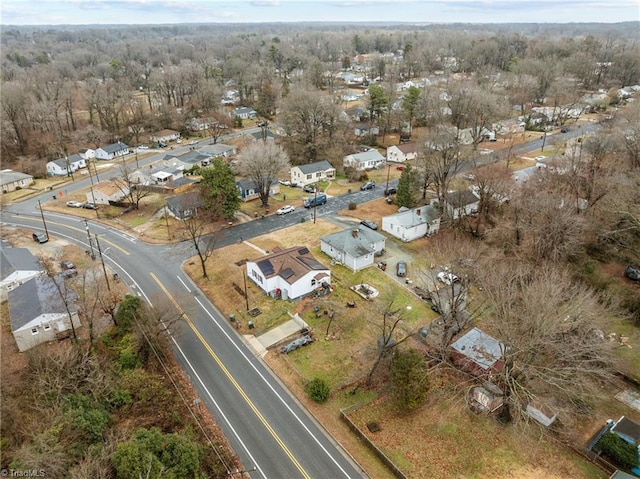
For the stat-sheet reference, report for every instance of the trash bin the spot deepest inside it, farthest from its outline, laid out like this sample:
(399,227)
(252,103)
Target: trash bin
(232,317)
(251,325)
(55,197)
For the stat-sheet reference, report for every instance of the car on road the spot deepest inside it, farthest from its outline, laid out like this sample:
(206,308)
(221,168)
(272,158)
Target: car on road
(392,190)
(401,269)
(193,142)
(40,237)
(369,224)
(309,189)
(447,278)
(369,185)
(90,206)
(143,147)
(74,204)
(296,343)
(285,209)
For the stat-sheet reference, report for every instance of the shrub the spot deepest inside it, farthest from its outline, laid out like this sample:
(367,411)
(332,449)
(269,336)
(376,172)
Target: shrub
(91,418)
(624,453)
(353,205)
(409,379)
(318,390)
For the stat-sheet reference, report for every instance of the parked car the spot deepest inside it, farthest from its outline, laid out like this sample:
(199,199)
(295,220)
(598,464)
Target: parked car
(369,224)
(318,200)
(143,147)
(401,269)
(193,142)
(74,204)
(296,343)
(392,190)
(68,268)
(447,278)
(285,209)
(40,237)
(179,141)
(90,206)
(632,272)
(369,185)
(540,158)
(309,189)
(564,129)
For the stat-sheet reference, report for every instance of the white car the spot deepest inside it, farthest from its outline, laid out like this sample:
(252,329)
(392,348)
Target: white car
(143,147)
(447,278)
(74,204)
(193,142)
(285,209)
(540,158)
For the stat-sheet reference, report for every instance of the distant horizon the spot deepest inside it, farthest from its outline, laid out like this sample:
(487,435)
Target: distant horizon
(52,13)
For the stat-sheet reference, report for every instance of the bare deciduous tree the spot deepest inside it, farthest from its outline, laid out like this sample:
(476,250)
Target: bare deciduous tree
(262,162)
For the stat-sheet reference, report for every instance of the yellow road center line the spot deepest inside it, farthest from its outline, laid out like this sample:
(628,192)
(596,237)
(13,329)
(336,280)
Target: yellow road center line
(232,379)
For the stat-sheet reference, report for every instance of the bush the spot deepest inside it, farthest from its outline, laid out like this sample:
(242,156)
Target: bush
(624,453)
(318,390)
(409,379)
(91,418)
(353,205)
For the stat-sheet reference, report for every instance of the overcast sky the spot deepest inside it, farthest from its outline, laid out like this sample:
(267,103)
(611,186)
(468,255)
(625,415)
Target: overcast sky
(83,12)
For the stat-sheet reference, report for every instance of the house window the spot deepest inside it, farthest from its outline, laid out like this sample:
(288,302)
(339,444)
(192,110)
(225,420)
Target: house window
(313,281)
(47,327)
(309,177)
(34,331)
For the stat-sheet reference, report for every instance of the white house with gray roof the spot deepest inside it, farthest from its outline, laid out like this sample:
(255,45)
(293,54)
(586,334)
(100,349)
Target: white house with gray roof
(367,160)
(17,266)
(187,160)
(410,224)
(14,180)
(355,248)
(218,150)
(303,175)
(65,166)
(37,311)
(112,151)
(461,203)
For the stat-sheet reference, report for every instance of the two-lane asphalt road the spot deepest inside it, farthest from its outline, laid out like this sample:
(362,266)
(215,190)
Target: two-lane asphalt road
(271,433)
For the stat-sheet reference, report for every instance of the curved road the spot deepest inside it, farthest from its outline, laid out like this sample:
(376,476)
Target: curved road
(270,432)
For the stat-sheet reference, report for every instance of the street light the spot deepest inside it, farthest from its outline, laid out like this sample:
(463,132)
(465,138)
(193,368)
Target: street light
(86,227)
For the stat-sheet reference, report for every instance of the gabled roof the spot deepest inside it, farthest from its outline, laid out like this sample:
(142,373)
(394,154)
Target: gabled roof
(244,109)
(37,297)
(480,348)
(628,429)
(370,155)
(407,147)
(248,184)
(61,162)
(10,176)
(114,147)
(309,168)
(259,135)
(462,198)
(216,149)
(190,157)
(165,132)
(290,264)
(16,259)
(356,242)
(415,216)
(189,200)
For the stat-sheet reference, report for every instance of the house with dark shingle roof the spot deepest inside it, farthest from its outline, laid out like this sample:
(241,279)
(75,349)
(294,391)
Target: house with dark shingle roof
(112,151)
(303,175)
(186,205)
(249,189)
(459,204)
(355,248)
(66,165)
(17,266)
(289,273)
(38,313)
(187,160)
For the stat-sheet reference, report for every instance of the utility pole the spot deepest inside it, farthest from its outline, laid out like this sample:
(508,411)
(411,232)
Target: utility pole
(246,294)
(315,204)
(388,174)
(104,269)
(166,219)
(86,227)
(43,221)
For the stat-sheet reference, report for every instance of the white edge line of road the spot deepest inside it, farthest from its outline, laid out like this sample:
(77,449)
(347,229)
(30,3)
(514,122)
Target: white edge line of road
(255,463)
(300,421)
